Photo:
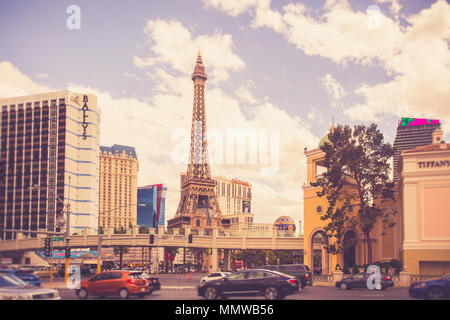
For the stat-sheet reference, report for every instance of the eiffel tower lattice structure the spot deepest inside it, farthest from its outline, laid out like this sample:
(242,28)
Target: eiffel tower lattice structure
(198,207)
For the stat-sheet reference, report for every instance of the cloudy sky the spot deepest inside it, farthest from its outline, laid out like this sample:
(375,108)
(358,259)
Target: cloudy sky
(280,67)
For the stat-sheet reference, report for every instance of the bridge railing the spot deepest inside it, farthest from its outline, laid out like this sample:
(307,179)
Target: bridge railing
(170,240)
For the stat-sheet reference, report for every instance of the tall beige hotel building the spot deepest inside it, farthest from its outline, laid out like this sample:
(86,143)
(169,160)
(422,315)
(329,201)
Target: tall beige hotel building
(49,153)
(118,187)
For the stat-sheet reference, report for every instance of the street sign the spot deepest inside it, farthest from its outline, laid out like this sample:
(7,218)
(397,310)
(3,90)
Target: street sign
(58,239)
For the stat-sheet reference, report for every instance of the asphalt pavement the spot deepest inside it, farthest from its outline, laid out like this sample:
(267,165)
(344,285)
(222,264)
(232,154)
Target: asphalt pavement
(182,287)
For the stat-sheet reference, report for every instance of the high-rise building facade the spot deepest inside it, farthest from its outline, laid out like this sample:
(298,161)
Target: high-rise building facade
(49,151)
(118,187)
(235,201)
(151,205)
(412,133)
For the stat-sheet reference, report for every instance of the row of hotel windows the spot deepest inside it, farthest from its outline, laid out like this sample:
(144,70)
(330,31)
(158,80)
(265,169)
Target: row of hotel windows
(246,220)
(236,191)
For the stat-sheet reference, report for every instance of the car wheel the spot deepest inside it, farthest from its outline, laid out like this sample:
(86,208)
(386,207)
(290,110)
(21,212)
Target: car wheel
(436,293)
(344,286)
(123,293)
(271,293)
(210,293)
(83,293)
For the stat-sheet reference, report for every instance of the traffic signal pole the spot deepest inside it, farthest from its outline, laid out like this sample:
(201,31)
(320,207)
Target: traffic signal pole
(67,262)
(51,265)
(99,250)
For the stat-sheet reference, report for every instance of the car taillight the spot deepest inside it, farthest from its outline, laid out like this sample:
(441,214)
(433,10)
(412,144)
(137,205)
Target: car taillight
(292,281)
(387,278)
(131,281)
(307,276)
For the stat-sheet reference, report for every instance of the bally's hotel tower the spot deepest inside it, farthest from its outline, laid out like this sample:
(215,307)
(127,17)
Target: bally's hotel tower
(49,157)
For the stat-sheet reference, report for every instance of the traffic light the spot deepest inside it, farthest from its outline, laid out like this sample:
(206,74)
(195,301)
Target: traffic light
(67,253)
(190,238)
(152,239)
(47,247)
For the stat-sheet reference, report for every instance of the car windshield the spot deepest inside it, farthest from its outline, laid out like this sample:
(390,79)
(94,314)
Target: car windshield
(11,281)
(446,277)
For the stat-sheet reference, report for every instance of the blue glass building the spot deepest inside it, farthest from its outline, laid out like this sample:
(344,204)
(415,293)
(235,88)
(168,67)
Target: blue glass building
(151,202)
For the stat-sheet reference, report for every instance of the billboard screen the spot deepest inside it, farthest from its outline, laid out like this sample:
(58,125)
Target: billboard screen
(409,122)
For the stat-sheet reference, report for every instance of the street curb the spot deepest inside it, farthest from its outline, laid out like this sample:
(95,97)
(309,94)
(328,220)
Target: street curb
(177,288)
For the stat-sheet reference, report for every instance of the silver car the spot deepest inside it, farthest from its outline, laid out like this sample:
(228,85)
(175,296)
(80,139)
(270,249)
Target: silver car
(12,288)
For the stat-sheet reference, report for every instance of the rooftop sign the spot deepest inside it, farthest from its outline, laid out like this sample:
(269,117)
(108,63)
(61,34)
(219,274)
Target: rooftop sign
(409,122)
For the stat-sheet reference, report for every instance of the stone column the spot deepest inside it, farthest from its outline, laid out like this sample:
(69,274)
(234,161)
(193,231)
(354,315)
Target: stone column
(110,230)
(135,229)
(160,229)
(214,256)
(227,259)
(337,275)
(405,278)
(325,261)
(175,231)
(215,262)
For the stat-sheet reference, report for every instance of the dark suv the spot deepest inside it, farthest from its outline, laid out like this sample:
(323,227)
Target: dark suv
(300,271)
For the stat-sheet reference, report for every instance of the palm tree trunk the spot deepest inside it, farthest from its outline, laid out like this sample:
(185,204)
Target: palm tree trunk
(369,247)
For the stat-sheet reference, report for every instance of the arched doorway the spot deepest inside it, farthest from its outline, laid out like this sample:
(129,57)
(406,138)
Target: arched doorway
(319,258)
(350,242)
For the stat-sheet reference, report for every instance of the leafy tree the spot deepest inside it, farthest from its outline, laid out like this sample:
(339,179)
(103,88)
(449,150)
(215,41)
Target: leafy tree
(198,256)
(144,230)
(357,177)
(120,251)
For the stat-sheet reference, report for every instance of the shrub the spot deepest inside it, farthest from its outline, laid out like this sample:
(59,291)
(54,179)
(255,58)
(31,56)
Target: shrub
(397,265)
(346,269)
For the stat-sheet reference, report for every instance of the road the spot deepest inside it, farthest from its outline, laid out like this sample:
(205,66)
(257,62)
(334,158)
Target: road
(311,293)
(176,287)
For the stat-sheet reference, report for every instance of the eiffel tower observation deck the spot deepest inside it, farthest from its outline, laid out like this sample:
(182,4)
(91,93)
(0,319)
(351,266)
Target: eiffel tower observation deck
(198,208)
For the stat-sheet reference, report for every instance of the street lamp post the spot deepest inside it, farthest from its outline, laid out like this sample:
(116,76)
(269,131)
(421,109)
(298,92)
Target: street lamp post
(100,238)
(61,223)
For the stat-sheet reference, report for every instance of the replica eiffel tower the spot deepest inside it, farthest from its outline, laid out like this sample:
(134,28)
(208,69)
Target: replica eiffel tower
(198,207)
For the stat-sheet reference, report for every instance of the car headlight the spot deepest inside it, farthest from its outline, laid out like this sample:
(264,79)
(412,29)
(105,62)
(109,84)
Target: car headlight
(420,285)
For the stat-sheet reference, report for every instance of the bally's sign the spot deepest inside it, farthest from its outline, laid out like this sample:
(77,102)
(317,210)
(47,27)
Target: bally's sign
(434,164)
(84,124)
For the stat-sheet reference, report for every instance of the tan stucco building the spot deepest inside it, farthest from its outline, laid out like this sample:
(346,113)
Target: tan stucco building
(118,187)
(386,241)
(426,201)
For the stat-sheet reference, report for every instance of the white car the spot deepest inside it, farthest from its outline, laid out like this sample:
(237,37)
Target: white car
(215,276)
(12,288)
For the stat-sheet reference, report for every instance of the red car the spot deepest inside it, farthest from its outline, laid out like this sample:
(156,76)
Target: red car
(120,283)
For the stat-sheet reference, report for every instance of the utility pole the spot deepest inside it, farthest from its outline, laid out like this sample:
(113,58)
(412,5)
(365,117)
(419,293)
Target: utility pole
(67,262)
(99,250)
